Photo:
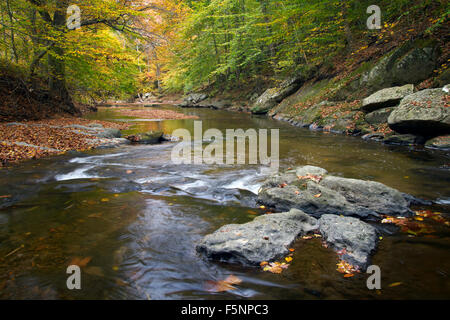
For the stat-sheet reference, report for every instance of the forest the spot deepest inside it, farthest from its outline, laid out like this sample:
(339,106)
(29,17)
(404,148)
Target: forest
(123,48)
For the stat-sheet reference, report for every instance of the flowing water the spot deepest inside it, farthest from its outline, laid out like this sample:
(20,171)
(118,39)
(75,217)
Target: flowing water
(131,219)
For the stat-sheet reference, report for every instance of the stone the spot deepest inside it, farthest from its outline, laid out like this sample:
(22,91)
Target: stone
(355,238)
(273,96)
(367,200)
(424,113)
(385,98)
(442,142)
(266,238)
(379,116)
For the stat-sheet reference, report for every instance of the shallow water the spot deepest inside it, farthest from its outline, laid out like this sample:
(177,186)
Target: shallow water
(137,231)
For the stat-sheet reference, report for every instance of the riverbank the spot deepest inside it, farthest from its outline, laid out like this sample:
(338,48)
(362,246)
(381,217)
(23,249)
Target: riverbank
(26,140)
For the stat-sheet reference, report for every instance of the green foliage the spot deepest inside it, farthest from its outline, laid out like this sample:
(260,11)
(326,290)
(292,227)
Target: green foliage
(226,42)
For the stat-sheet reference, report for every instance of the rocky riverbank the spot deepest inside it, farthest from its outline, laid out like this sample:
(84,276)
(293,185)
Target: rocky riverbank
(400,99)
(346,213)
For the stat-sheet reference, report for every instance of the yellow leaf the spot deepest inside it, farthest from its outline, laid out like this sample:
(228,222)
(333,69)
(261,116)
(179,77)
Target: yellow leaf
(288,259)
(395,284)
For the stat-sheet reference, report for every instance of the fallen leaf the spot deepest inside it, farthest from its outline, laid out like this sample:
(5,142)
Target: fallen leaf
(232,279)
(288,259)
(348,275)
(223,285)
(318,195)
(395,284)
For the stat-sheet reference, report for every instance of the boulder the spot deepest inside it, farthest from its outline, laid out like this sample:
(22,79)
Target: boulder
(271,97)
(442,142)
(266,238)
(379,116)
(147,138)
(214,104)
(355,239)
(385,98)
(413,63)
(192,99)
(319,194)
(423,113)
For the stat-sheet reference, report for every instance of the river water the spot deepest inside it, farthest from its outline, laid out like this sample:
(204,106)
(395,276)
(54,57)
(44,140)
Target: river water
(131,219)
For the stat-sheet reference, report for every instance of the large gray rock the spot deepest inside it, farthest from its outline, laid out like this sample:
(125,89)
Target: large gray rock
(423,113)
(266,238)
(193,99)
(331,195)
(385,98)
(413,63)
(354,238)
(271,97)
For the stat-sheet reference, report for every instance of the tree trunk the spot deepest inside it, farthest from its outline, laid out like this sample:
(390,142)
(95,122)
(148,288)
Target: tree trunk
(57,74)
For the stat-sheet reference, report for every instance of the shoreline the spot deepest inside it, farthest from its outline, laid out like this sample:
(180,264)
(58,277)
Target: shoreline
(30,140)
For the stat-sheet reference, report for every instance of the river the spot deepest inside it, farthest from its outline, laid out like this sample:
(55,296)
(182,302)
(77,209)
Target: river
(132,218)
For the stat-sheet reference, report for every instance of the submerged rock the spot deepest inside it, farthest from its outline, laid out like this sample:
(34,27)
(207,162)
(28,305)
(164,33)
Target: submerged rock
(355,239)
(310,189)
(266,238)
(385,98)
(423,113)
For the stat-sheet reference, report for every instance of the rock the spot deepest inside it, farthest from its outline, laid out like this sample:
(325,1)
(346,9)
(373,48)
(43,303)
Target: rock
(271,97)
(147,138)
(442,142)
(358,238)
(379,116)
(214,104)
(192,99)
(111,142)
(108,133)
(373,136)
(95,125)
(413,63)
(332,195)
(422,113)
(305,170)
(385,98)
(404,140)
(266,238)
(10,124)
